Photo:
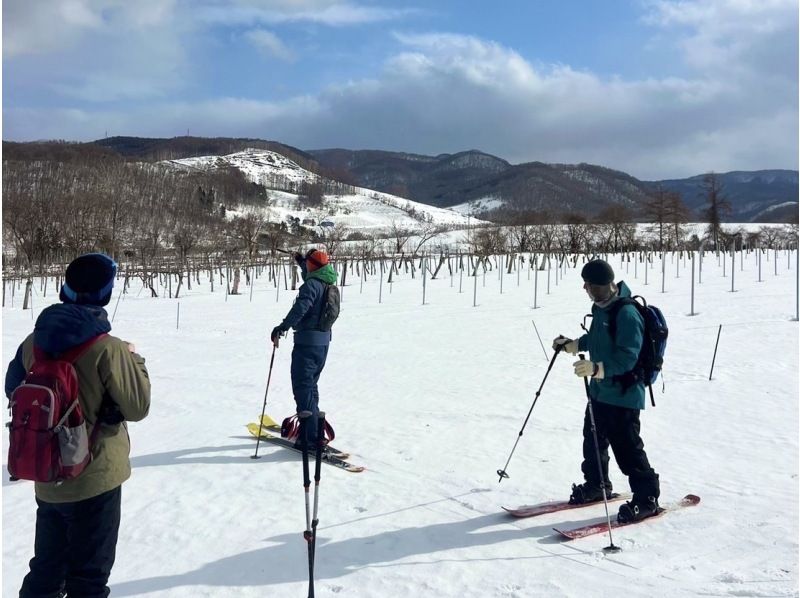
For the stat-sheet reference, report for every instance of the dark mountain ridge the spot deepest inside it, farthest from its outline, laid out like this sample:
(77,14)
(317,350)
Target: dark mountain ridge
(449,180)
(473,176)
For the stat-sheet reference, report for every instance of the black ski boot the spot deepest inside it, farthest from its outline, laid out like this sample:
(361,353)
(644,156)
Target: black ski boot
(638,509)
(587,492)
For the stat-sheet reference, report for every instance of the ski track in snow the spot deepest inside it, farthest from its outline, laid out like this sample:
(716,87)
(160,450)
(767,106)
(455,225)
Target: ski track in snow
(431,399)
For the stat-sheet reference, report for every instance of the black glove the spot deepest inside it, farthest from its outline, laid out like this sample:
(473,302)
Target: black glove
(109,413)
(277,332)
(298,257)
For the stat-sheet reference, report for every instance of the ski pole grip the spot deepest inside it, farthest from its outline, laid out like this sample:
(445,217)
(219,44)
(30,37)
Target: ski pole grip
(582,357)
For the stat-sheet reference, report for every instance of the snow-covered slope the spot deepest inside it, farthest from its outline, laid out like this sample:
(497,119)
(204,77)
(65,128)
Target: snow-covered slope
(476,206)
(364,209)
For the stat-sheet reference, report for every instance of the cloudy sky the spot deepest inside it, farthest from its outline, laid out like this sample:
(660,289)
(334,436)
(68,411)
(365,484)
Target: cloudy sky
(657,88)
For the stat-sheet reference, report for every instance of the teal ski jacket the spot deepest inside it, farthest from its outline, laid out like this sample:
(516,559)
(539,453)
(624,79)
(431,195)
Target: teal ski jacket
(617,357)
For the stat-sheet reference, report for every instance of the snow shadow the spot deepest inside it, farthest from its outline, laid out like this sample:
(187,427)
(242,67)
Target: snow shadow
(285,559)
(206,455)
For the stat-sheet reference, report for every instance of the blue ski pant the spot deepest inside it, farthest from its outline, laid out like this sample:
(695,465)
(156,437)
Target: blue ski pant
(307,364)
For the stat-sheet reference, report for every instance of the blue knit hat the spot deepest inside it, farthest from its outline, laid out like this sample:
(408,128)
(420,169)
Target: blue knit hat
(89,280)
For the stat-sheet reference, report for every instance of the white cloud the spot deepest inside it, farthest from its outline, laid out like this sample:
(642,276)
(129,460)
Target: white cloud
(732,35)
(735,107)
(46,26)
(269,44)
(334,13)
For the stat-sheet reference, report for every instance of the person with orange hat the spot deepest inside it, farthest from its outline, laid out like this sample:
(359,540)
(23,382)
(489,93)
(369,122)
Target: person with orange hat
(311,317)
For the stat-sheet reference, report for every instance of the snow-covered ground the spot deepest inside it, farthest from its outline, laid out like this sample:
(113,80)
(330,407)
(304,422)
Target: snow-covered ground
(476,206)
(358,212)
(431,399)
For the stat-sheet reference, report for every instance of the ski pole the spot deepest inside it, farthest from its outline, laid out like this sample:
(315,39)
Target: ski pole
(716,346)
(315,518)
(610,547)
(502,472)
(266,392)
(307,534)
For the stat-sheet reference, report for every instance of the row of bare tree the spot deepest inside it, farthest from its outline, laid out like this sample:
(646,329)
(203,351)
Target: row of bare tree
(57,208)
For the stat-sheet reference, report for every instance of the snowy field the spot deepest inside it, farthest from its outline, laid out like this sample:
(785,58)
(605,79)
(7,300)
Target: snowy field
(431,399)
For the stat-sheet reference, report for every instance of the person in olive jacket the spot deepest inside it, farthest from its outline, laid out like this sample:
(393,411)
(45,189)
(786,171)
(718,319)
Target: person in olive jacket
(77,520)
(616,407)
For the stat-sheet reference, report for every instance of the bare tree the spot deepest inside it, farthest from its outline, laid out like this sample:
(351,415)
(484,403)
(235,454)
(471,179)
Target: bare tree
(770,236)
(489,240)
(678,217)
(401,236)
(521,237)
(717,207)
(311,194)
(247,228)
(574,233)
(656,211)
(332,238)
(616,228)
(425,233)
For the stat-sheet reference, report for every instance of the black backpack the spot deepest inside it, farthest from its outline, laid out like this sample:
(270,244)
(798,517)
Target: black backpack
(654,343)
(331,304)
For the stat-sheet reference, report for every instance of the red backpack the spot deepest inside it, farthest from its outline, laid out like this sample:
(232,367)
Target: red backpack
(48,439)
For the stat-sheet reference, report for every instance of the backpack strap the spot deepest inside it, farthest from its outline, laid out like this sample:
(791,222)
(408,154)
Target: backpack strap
(71,355)
(324,302)
(633,376)
(613,312)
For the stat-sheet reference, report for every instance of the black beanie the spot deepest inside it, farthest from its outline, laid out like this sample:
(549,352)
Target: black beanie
(89,280)
(597,272)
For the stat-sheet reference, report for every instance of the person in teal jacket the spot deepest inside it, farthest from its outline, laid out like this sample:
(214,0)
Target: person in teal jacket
(616,406)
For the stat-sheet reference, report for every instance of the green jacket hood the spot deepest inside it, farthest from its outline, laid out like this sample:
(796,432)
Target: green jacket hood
(325,274)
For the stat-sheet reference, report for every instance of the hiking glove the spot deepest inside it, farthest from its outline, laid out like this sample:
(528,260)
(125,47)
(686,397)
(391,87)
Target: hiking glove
(276,333)
(566,344)
(588,369)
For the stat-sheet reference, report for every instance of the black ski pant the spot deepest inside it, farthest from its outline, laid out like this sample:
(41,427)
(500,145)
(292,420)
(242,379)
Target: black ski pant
(618,427)
(74,547)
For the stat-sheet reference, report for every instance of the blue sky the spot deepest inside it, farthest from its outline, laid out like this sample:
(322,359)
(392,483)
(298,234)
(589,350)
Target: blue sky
(658,88)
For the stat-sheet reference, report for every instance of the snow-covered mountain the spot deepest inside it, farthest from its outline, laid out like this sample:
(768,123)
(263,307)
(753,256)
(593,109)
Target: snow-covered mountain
(356,208)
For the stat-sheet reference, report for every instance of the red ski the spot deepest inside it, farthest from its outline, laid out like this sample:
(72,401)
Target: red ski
(557,505)
(689,500)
